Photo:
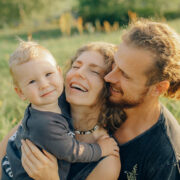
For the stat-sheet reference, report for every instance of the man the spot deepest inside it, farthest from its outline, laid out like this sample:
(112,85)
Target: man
(147,65)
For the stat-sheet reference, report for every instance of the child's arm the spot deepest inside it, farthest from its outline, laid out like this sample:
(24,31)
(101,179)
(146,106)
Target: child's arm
(50,131)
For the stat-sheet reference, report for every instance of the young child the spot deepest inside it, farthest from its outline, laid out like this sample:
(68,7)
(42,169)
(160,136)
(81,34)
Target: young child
(38,79)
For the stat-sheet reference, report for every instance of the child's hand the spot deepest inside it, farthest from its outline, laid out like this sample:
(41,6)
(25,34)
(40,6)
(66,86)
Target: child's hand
(108,146)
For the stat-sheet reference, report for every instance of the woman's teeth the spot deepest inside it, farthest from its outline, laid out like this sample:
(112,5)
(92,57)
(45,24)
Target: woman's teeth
(79,87)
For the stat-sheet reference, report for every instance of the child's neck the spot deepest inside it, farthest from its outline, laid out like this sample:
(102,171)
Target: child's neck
(53,107)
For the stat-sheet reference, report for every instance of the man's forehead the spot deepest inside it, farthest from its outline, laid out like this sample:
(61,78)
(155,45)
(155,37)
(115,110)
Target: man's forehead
(133,58)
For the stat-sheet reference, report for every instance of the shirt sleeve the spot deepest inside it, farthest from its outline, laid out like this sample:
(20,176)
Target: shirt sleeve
(50,131)
(6,169)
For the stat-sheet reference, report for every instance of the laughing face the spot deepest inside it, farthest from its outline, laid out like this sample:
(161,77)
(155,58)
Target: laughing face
(128,79)
(84,81)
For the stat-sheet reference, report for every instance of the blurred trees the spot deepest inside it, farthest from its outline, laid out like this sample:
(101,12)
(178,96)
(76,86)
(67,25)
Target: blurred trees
(104,10)
(17,12)
(14,12)
(117,10)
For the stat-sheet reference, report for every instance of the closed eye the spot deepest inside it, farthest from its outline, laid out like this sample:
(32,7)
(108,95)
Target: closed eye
(124,74)
(96,72)
(75,67)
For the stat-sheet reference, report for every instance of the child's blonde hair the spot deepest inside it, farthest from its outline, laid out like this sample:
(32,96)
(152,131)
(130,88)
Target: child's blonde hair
(25,52)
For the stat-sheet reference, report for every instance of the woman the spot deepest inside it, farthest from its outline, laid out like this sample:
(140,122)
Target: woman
(86,92)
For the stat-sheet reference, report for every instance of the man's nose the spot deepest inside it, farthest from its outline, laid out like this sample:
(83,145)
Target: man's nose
(111,76)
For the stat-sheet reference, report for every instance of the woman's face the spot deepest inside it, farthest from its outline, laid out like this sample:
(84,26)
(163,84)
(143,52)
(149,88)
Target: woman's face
(84,81)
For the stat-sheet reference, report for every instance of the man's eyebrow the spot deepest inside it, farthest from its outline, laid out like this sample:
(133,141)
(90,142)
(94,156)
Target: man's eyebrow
(125,74)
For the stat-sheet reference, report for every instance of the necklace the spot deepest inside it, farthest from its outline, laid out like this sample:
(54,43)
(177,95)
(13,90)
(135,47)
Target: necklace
(87,132)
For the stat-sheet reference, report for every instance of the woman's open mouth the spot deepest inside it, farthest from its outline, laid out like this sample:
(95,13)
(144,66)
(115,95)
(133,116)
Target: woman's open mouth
(78,87)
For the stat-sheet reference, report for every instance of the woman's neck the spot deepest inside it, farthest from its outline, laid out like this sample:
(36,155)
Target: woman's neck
(84,118)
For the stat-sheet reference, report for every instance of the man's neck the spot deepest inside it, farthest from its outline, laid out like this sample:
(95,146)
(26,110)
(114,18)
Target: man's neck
(84,118)
(53,107)
(140,119)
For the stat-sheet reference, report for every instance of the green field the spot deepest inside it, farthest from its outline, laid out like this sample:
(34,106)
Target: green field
(11,107)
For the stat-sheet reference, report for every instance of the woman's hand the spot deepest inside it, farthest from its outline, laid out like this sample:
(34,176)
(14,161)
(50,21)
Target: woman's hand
(38,165)
(108,146)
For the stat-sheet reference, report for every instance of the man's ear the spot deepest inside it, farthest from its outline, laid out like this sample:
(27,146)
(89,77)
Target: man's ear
(19,93)
(160,88)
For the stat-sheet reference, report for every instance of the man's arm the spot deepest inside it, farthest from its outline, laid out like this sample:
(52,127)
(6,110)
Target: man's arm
(3,143)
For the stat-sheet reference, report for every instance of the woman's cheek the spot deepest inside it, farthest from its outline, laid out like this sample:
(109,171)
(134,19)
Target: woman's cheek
(68,76)
(99,86)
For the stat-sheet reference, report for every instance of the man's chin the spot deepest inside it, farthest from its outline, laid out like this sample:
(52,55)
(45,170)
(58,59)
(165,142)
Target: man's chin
(122,104)
(114,100)
(114,103)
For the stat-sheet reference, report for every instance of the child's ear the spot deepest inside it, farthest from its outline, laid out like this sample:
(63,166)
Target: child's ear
(59,69)
(19,93)
(60,72)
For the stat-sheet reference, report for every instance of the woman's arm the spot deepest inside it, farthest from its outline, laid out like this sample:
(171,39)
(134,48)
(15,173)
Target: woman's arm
(38,165)
(107,169)
(3,143)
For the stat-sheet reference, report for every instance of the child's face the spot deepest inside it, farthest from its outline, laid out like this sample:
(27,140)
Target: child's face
(39,81)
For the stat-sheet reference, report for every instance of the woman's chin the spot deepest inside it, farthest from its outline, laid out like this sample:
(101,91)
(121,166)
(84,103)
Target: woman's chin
(81,101)
(76,94)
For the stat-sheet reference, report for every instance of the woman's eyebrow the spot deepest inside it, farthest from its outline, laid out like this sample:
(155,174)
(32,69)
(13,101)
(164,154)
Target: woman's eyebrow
(95,65)
(91,64)
(78,62)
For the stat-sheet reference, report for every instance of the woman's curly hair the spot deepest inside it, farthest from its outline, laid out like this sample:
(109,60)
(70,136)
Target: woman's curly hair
(110,118)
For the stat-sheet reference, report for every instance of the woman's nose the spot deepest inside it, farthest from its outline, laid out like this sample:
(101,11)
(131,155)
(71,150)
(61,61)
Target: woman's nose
(81,72)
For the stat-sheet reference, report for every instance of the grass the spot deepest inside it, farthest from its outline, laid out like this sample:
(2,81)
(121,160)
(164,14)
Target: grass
(62,47)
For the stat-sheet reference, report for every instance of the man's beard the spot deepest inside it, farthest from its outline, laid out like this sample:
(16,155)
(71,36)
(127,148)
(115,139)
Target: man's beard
(128,103)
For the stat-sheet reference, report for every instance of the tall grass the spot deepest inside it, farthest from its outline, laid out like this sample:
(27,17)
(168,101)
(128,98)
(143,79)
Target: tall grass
(62,47)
